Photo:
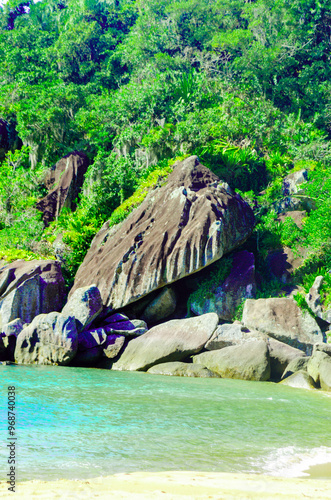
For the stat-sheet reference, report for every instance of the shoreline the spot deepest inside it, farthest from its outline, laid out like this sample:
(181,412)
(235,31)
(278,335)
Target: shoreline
(176,485)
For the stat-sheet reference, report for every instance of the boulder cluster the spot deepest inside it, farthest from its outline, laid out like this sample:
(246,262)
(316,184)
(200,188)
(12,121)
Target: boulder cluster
(125,311)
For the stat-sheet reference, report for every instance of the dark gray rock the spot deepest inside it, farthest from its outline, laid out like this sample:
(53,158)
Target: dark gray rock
(90,347)
(161,307)
(180,228)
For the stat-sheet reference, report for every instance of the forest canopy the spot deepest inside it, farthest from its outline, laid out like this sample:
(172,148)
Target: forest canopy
(135,84)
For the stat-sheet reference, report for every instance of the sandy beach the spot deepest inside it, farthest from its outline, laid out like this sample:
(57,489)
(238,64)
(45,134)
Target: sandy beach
(175,485)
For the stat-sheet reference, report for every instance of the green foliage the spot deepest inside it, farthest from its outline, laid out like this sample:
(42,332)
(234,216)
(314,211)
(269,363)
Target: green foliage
(215,278)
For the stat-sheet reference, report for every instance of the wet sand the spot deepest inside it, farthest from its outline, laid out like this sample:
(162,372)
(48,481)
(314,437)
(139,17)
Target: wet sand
(176,486)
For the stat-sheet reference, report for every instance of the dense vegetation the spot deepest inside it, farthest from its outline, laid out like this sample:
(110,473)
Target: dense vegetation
(243,84)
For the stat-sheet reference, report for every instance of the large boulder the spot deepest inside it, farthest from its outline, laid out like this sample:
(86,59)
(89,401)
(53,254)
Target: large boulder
(179,369)
(51,339)
(85,305)
(179,229)
(325,374)
(170,341)
(314,365)
(64,180)
(226,297)
(249,361)
(282,319)
(28,289)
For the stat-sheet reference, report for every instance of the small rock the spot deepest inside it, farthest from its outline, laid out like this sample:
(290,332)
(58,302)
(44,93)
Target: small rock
(179,369)
(113,345)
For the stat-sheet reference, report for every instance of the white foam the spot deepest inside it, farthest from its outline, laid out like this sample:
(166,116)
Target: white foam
(292,462)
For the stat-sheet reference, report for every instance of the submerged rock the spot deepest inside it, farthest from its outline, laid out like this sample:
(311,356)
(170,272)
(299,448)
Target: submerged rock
(179,229)
(51,339)
(170,341)
(179,369)
(249,361)
(28,289)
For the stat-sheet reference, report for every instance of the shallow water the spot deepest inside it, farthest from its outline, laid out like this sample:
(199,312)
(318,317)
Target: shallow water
(80,422)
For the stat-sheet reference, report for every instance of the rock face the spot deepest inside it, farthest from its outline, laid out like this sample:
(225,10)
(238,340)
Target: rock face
(161,307)
(179,229)
(240,284)
(179,369)
(51,339)
(85,305)
(28,289)
(282,319)
(64,181)
(170,341)
(249,361)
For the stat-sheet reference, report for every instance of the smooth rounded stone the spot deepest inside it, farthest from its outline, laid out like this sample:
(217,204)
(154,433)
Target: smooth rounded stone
(240,284)
(314,363)
(231,334)
(90,346)
(179,369)
(322,347)
(280,356)
(249,361)
(161,307)
(325,374)
(85,305)
(170,341)
(30,288)
(51,339)
(113,345)
(282,319)
(300,380)
(9,335)
(296,365)
(181,227)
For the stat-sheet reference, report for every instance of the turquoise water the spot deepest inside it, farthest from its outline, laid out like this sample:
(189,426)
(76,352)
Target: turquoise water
(80,422)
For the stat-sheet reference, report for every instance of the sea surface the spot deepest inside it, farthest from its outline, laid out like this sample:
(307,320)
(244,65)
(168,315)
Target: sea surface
(83,422)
